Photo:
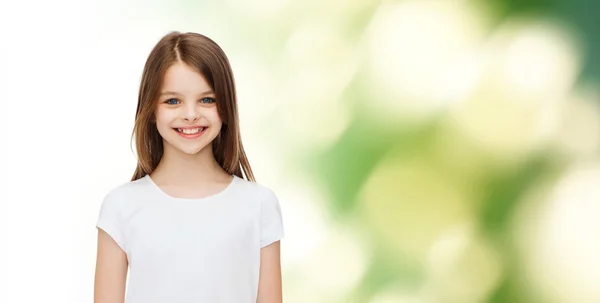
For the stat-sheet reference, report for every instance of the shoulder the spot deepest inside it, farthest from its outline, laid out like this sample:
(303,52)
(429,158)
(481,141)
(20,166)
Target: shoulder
(125,194)
(255,190)
(268,211)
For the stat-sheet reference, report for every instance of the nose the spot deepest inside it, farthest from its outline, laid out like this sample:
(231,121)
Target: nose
(191,112)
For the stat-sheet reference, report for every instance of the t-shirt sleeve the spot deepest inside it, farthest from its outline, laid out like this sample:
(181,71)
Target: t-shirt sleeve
(271,220)
(110,218)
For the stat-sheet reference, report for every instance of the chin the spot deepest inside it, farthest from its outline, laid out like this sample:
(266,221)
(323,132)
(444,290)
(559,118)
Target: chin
(191,147)
(191,150)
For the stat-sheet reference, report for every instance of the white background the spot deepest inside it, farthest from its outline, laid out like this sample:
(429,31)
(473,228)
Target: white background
(69,75)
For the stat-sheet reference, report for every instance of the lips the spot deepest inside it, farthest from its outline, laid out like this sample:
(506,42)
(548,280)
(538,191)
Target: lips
(191,132)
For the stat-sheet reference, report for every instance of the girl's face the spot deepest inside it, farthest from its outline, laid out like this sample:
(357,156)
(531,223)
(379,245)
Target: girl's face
(186,113)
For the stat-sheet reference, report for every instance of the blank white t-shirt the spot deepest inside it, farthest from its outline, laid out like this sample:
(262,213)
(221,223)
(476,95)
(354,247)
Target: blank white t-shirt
(192,250)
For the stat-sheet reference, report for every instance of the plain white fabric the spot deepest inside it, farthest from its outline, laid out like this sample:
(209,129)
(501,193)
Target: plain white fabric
(192,250)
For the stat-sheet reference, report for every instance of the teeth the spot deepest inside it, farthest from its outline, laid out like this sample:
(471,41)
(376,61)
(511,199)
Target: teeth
(190,131)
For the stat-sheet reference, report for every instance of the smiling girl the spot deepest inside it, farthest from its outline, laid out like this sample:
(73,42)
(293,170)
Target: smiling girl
(192,225)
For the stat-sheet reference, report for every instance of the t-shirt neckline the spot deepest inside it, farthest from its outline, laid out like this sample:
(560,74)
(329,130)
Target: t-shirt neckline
(215,195)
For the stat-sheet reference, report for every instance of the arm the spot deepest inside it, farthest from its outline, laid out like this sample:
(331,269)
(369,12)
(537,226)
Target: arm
(269,282)
(111,271)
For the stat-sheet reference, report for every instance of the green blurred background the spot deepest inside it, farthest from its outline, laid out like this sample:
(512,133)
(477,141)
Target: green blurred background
(423,151)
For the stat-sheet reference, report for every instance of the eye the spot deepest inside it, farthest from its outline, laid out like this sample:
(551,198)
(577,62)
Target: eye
(207,100)
(172,101)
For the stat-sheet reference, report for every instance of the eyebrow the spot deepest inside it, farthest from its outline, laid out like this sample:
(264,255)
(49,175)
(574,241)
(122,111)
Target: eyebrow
(208,92)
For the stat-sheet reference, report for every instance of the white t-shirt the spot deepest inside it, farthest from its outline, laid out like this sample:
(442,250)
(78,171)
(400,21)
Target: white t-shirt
(192,250)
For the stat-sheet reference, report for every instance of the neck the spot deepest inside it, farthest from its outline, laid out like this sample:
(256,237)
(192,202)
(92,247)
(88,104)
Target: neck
(181,168)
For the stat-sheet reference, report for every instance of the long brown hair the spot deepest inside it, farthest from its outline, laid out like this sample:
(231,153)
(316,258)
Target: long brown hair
(207,58)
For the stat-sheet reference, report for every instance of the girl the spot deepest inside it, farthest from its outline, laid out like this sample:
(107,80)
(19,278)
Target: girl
(188,226)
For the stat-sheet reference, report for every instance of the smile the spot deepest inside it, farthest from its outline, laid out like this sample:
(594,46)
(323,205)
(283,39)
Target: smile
(190,132)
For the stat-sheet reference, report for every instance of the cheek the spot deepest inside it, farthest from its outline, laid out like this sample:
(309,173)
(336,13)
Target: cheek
(163,118)
(214,118)
(163,124)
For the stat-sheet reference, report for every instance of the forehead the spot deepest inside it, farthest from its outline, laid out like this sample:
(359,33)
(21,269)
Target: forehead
(182,79)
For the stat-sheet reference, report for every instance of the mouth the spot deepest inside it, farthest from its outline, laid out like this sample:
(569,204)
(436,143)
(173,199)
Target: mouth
(190,132)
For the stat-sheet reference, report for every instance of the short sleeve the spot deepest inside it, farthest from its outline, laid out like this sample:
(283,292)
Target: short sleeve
(271,220)
(110,219)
